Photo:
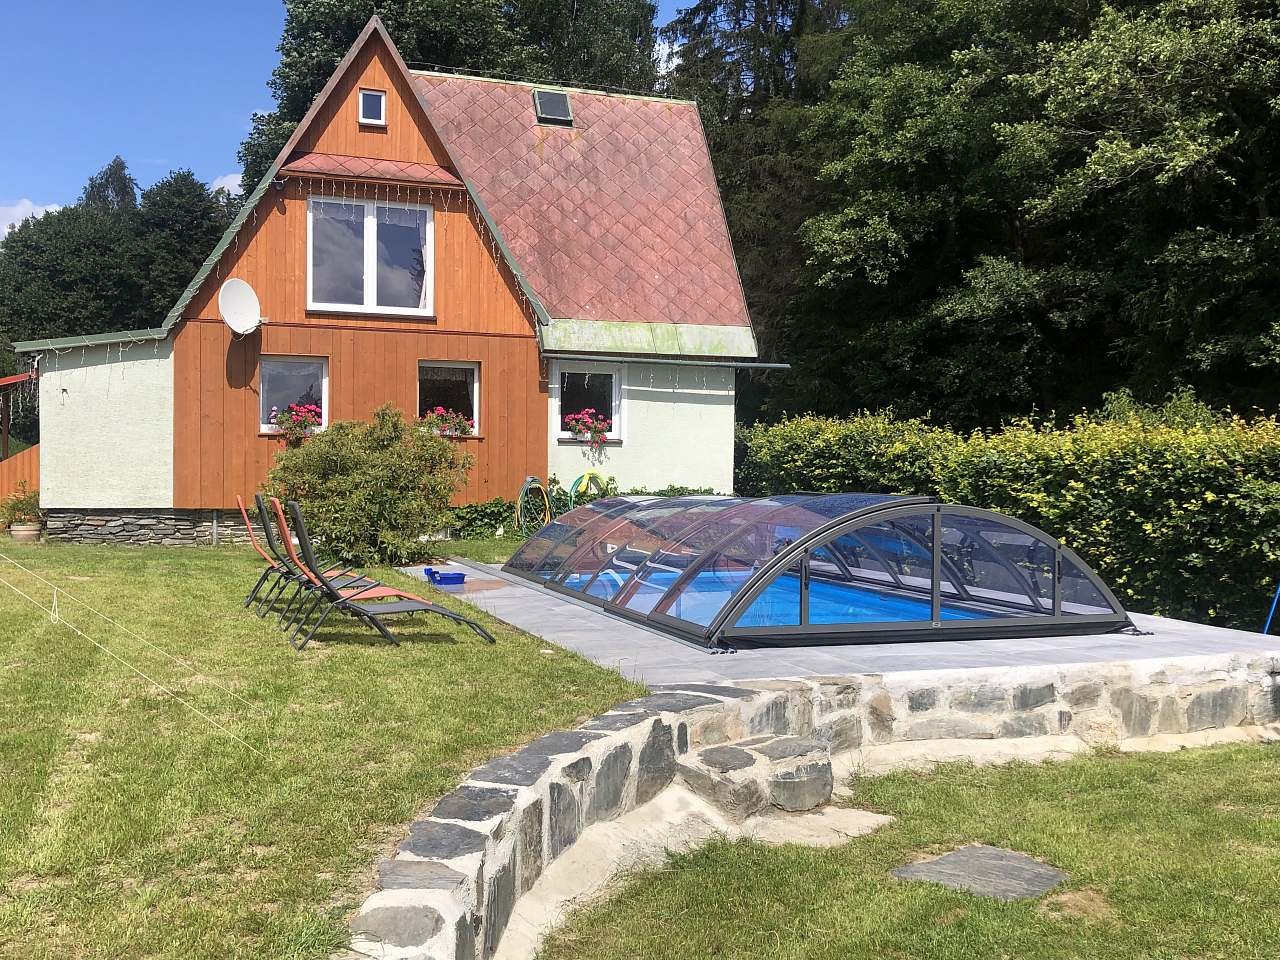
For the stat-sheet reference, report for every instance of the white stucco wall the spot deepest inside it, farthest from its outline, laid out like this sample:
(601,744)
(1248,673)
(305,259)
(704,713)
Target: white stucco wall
(106,426)
(677,428)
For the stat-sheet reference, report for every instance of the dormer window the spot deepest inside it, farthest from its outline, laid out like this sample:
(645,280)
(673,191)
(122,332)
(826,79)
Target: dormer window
(552,107)
(373,108)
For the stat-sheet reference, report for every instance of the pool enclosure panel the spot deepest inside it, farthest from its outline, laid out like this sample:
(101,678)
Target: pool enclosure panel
(817,568)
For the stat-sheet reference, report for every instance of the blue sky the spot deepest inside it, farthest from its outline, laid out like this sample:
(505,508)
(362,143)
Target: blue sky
(165,85)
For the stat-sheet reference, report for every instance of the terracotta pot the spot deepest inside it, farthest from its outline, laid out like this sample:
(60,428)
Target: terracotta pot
(25,532)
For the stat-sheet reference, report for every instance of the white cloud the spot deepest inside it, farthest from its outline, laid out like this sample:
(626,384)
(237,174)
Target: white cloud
(228,181)
(14,214)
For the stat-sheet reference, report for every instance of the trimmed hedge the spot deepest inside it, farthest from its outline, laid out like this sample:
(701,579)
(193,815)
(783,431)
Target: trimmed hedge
(1178,510)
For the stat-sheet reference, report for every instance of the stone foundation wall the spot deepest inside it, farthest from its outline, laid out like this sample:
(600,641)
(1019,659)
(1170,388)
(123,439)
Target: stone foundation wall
(449,890)
(135,525)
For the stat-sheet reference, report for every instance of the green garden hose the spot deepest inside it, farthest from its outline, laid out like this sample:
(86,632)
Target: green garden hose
(533,507)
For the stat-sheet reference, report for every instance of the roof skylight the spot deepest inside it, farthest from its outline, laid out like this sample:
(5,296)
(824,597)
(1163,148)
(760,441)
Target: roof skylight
(552,107)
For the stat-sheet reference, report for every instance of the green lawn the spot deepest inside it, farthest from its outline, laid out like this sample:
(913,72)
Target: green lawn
(1170,856)
(491,550)
(130,826)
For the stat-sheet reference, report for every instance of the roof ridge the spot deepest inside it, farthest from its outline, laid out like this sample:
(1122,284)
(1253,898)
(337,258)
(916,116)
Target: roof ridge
(551,85)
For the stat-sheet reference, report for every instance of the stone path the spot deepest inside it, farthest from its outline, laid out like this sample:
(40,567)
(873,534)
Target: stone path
(654,658)
(987,872)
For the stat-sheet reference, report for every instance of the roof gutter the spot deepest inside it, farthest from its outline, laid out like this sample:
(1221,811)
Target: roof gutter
(624,358)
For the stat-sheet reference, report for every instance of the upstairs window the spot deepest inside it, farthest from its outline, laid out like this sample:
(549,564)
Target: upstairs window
(373,108)
(370,257)
(552,107)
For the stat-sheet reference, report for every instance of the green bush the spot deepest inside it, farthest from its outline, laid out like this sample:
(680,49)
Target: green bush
(22,506)
(371,490)
(479,521)
(1177,510)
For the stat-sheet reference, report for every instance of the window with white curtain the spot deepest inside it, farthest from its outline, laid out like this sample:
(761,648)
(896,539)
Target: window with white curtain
(365,256)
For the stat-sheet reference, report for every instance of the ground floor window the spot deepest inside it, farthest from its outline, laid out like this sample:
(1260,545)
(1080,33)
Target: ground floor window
(591,390)
(292,381)
(453,385)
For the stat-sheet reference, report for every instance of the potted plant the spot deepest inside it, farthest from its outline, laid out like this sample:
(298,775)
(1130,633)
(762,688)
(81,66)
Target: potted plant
(448,423)
(588,426)
(22,513)
(297,421)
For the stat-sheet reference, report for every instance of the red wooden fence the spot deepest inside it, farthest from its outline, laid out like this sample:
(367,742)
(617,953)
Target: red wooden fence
(19,467)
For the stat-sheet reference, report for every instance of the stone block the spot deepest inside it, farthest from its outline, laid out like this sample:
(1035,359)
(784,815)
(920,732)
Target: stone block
(1136,711)
(918,701)
(682,738)
(418,875)
(398,925)
(771,717)
(1064,720)
(464,938)
(738,799)
(529,857)
(435,840)
(561,742)
(657,765)
(840,733)
(1029,697)
(610,784)
(578,770)
(617,721)
(1216,709)
(1170,719)
(726,758)
(880,716)
(1084,694)
(564,819)
(983,698)
(474,803)
(668,703)
(948,727)
(836,693)
(1024,725)
(522,768)
(500,897)
(787,748)
(713,689)
(803,787)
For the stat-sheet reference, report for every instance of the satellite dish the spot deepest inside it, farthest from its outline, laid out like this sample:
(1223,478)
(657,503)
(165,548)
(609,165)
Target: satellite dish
(238,306)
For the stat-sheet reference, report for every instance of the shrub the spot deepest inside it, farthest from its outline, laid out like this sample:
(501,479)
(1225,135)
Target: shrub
(22,506)
(478,521)
(371,490)
(1178,512)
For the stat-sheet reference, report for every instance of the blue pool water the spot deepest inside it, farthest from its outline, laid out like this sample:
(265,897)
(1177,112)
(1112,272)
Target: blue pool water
(779,604)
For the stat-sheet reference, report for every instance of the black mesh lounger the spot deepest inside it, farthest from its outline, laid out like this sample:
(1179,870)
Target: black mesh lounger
(276,533)
(368,604)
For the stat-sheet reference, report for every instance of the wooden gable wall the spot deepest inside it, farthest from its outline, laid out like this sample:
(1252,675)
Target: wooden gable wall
(219,450)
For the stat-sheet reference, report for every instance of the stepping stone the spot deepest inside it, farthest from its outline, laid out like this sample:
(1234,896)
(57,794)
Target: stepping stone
(986,872)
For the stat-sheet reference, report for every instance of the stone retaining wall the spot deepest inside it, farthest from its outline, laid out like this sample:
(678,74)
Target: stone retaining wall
(166,526)
(449,890)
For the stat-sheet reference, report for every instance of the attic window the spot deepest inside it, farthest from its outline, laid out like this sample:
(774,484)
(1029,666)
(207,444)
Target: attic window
(373,107)
(552,106)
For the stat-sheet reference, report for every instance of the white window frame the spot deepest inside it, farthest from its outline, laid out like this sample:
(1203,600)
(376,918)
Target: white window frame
(369,121)
(295,358)
(370,305)
(473,365)
(560,367)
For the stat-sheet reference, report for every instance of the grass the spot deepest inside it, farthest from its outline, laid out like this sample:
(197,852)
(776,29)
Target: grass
(1170,856)
(131,826)
(489,550)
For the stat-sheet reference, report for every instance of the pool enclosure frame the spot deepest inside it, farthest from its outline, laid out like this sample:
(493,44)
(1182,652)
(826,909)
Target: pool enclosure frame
(721,632)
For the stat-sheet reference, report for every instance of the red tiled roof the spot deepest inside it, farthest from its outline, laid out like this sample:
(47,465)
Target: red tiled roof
(332,164)
(615,218)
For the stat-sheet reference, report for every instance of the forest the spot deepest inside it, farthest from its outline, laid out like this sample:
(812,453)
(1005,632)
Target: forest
(966,211)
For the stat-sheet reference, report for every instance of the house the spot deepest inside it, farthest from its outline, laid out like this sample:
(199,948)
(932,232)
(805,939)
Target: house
(510,251)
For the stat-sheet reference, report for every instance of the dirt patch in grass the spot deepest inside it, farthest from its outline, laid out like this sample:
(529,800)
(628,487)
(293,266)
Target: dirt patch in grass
(1086,903)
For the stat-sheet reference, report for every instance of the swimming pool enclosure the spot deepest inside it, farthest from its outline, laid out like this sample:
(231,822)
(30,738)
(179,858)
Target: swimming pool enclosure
(817,568)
